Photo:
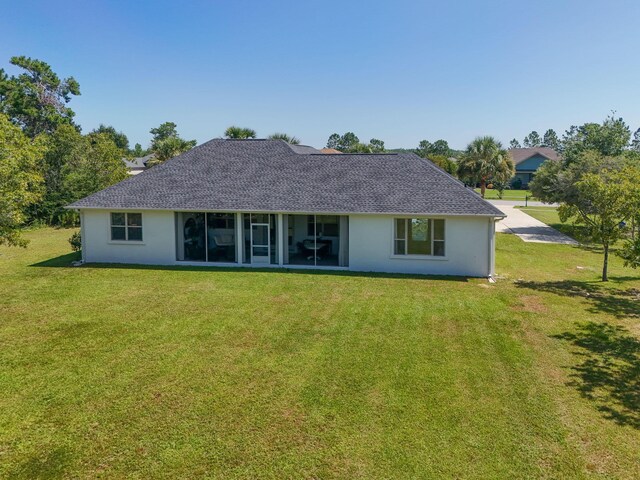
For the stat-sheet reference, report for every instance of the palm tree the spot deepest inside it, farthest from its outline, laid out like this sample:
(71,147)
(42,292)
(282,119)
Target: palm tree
(485,160)
(285,137)
(239,133)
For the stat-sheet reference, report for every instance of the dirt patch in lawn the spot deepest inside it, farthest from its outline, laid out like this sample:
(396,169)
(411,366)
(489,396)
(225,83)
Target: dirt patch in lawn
(530,303)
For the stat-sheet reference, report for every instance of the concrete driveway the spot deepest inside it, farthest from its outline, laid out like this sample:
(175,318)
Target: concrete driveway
(528,228)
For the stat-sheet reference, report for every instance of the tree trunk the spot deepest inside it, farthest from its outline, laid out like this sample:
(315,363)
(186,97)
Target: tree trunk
(483,186)
(605,266)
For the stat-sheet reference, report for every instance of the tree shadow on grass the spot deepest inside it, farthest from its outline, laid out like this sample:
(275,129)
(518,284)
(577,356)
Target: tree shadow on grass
(45,465)
(609,373)
(614,301)
(578,232)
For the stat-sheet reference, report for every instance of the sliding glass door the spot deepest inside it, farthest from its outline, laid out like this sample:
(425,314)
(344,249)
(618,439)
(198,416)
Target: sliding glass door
(221,237)
(206,237)
(317,240)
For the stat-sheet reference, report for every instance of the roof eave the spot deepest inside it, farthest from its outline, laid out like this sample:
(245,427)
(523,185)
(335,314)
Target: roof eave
(287,212)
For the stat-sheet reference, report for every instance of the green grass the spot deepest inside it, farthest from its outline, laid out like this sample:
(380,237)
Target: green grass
(117,372)
(492,194)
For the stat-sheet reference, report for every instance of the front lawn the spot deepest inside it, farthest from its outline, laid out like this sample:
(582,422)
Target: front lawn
(492,194)
(115,372)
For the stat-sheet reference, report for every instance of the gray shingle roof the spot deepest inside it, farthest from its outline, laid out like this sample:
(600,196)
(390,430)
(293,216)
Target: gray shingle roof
(519,155)
(269,176)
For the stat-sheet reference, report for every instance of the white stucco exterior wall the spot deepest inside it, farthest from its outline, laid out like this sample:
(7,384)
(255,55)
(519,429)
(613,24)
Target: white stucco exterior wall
(467,243)
(158,244)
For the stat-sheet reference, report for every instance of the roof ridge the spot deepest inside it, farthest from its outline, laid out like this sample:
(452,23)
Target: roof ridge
(358,153)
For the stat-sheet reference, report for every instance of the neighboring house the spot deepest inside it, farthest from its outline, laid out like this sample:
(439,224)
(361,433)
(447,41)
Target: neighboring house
(528,160)
(267,203)
(329,150)
(138,164)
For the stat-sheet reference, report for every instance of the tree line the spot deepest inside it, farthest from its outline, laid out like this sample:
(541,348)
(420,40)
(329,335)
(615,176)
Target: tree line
(549,139)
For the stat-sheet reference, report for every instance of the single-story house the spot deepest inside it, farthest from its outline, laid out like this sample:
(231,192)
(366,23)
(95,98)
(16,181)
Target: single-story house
(527,161)
(266,203)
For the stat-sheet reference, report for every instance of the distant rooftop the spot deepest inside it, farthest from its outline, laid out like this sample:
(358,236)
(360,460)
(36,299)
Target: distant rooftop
(519,155)
(138,163)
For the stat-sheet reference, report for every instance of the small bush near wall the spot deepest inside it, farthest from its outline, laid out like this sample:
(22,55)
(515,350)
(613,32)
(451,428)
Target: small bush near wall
(76,241)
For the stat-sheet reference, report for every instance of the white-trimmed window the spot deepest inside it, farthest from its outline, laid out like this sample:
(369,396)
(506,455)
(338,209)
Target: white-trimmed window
(126,226)
(419,236)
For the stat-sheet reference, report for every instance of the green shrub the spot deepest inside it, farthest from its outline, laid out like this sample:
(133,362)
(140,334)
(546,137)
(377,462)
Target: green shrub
(76,241)
(517,184)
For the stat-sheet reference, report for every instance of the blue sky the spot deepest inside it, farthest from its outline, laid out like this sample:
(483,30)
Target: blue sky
(397,70)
